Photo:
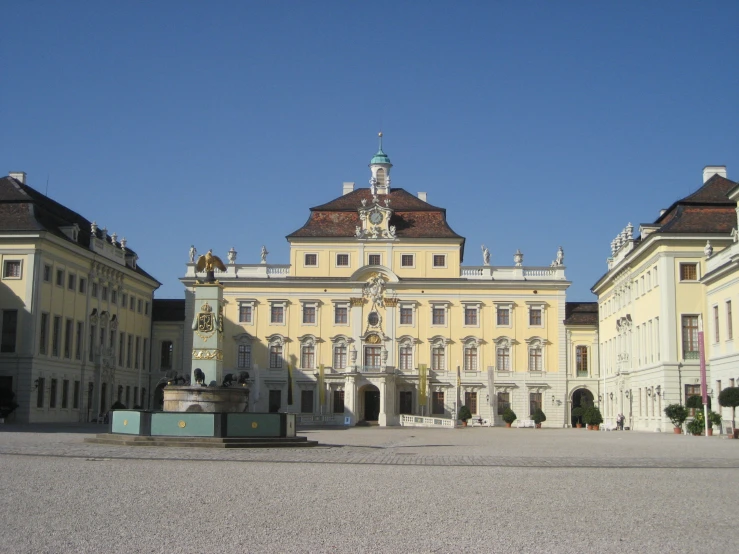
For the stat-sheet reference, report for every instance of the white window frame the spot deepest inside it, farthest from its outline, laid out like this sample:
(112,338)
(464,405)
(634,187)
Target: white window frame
(278,304)
(308,341)
(406,341)
(504,342)
(244,339)
(413,260)
(436,305)
(697,272)
(532,343)
(348,260)
(413,308)
(344,342)
(315,304)
(436,342)
(250,303)
(507,306)
(342,304)
(468,343)
(276,340)
(532,305)
(305,259)
(433,260)
(369,254)
(6,264)
(474,305)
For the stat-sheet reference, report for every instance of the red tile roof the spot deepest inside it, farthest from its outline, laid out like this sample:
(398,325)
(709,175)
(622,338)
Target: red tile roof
(581,313)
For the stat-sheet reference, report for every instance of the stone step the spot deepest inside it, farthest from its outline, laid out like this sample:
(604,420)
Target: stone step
(201,442)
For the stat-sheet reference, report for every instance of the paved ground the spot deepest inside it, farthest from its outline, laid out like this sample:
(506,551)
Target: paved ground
(479,490)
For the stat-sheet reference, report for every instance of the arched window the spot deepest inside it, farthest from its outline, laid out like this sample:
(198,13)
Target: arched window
(536,354)
(503,354)
(276,351)
(380,176)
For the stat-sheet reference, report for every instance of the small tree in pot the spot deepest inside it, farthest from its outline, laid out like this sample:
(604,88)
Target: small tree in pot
(464,414)
(538,417)
(677,414)
(509,416)
(577,415)
(729,398)
(592,417)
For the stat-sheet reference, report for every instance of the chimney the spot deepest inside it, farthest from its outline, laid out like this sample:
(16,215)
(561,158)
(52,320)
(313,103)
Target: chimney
(711,170)
(348,187)
(422,196)
(18,175)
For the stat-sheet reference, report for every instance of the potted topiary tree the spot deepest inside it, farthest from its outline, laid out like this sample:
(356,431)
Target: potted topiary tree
(697,424)
(593,418)
(538,417)
(729,398)
(713,419)
(577,415)
(677,414)
(509,416)
(464,414)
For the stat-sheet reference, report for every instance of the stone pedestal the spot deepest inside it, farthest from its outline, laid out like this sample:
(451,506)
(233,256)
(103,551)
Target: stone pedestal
(205,399)
(207,340)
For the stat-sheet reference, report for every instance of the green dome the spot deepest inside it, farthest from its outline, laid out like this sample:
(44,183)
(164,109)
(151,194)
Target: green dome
(380,158)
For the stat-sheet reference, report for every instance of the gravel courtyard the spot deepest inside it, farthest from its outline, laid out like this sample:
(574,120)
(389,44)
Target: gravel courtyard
(373,490)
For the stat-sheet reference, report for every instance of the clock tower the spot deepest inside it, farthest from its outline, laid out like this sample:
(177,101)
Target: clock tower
(380,166)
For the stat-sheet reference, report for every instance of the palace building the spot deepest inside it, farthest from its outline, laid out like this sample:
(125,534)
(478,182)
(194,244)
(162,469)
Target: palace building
(680,272)
(376,318)
(76,311)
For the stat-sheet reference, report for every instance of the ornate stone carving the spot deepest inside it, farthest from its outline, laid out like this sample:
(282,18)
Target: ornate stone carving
(207,354)
(391,302)
(375,288)
(356,301)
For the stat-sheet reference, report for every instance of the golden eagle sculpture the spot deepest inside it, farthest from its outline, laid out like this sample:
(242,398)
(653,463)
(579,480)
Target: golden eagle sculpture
(209,263)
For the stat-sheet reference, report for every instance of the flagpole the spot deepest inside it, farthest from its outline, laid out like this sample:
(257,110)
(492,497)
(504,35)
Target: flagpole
(704,384)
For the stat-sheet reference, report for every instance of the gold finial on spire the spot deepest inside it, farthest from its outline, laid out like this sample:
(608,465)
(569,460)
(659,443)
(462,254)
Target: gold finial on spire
(380,136)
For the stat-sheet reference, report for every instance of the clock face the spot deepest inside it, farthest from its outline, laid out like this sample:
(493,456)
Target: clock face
(375,217)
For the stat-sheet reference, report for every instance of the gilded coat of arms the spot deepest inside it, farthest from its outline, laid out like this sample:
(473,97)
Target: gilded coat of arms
(206,322)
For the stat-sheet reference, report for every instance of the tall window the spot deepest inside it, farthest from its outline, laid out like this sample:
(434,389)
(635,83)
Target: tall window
(129,349)
(78,341)
(137,352)
(306,401)
(405,406)
(338,401)
(277,314)
(47,274)
(68,338)
(244,357)
(275,356)
(437,402)
(503,358)
(166,354)
(9,330)
(372,356)
(59,278)
(534,402)
(729,322)
(56,335)
(83,286)
(52,394)
(504,402)
(535,317)
(275,400)
(245,313)
(470,316)
(121,343)
(340,357)
(581,357)
(406,316)
(104,293)
(76,396)
(65,393)
(690,336)
(692,390)
(341,316)
(307,356)
(40,393)
(438,314)
(91,353)
(43,334)
(503,316)
(470,400)
(71,282)
(438,358)
(406,357)
(309,314)
(715,324)
(535,358)
(143,354)
(688,272)
(470,358)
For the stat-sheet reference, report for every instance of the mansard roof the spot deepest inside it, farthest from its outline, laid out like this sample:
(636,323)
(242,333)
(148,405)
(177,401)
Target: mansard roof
(581,313)
(412,217)
(707,210)
(168,309)
(23,208)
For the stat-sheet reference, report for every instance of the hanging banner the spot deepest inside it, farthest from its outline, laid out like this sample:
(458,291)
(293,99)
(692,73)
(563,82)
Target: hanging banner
(422,384)
(321,387)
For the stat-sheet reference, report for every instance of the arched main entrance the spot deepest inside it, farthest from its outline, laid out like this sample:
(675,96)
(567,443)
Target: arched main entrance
(581,398)
(369,396)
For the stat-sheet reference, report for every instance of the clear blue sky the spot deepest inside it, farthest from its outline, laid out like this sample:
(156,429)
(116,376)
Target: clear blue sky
(536,124)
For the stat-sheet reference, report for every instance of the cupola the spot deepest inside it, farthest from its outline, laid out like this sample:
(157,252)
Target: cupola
(380,167)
